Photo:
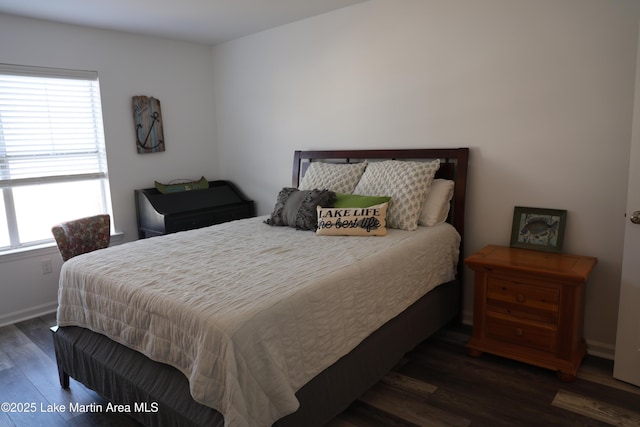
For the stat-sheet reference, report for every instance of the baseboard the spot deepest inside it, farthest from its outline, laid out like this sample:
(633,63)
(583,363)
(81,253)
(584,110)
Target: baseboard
(467,318)
(594,348)
(29,313)
(600,349)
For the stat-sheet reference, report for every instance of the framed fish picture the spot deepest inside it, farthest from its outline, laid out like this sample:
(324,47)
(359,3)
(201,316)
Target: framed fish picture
(538,228)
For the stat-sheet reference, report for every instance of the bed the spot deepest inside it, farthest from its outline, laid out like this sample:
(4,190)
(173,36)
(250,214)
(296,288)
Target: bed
(309,339)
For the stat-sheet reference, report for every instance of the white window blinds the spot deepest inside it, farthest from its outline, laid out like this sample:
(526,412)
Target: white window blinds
(52,152)
(50,126)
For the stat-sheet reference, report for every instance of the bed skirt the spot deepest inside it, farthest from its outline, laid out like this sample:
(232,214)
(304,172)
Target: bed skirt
(124,376)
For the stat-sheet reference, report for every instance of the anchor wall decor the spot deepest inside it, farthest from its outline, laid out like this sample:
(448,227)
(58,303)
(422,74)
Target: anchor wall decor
(147,118)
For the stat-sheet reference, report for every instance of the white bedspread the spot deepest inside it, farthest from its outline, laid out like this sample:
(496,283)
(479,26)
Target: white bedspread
(249,312)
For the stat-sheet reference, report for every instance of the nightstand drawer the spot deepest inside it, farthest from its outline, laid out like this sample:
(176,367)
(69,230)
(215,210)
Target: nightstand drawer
(505,329)
(522,300)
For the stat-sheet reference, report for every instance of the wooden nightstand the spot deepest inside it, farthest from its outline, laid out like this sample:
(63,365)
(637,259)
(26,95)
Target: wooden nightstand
(529,306)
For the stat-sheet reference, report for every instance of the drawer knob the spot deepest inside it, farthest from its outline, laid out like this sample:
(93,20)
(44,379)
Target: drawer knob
(520,298)
(519,332)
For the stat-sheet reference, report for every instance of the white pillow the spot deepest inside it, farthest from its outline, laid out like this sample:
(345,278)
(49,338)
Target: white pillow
(337,177)
(407,183)
(436,208)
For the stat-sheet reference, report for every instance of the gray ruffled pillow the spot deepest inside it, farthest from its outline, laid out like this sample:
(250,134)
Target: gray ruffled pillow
(297,208)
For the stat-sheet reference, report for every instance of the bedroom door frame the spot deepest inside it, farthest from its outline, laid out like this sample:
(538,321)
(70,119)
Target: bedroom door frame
(627,356)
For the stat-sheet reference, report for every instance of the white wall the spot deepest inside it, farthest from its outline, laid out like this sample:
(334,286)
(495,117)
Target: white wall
(178,74)
(541,90)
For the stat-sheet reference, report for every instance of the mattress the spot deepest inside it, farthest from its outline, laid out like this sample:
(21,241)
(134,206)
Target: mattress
(250,313)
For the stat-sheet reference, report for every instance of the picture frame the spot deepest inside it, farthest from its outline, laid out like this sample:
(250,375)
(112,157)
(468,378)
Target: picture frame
(147,118)
(539,229)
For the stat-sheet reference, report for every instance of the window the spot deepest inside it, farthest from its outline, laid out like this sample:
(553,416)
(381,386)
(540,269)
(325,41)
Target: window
(53,165)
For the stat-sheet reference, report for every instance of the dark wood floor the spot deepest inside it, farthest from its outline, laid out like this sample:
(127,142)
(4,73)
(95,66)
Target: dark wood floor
(436,385)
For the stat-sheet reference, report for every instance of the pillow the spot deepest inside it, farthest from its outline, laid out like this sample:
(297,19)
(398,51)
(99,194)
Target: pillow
(344,200)
(368,221)
(408,184)
(340,177)
(201,184)
(297,208)
(436,208)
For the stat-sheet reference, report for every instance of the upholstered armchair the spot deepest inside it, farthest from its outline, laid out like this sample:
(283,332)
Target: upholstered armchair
(82,235)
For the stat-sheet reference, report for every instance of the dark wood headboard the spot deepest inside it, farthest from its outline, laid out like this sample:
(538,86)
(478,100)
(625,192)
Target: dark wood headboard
(453,165)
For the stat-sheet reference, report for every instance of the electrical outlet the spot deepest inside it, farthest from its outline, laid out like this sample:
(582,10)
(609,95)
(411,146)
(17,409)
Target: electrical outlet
(46,266)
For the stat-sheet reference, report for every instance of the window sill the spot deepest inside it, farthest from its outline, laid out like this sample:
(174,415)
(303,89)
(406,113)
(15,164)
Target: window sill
(43,249)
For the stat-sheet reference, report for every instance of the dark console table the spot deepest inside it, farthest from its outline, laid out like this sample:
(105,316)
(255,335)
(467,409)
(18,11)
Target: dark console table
(167,213)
